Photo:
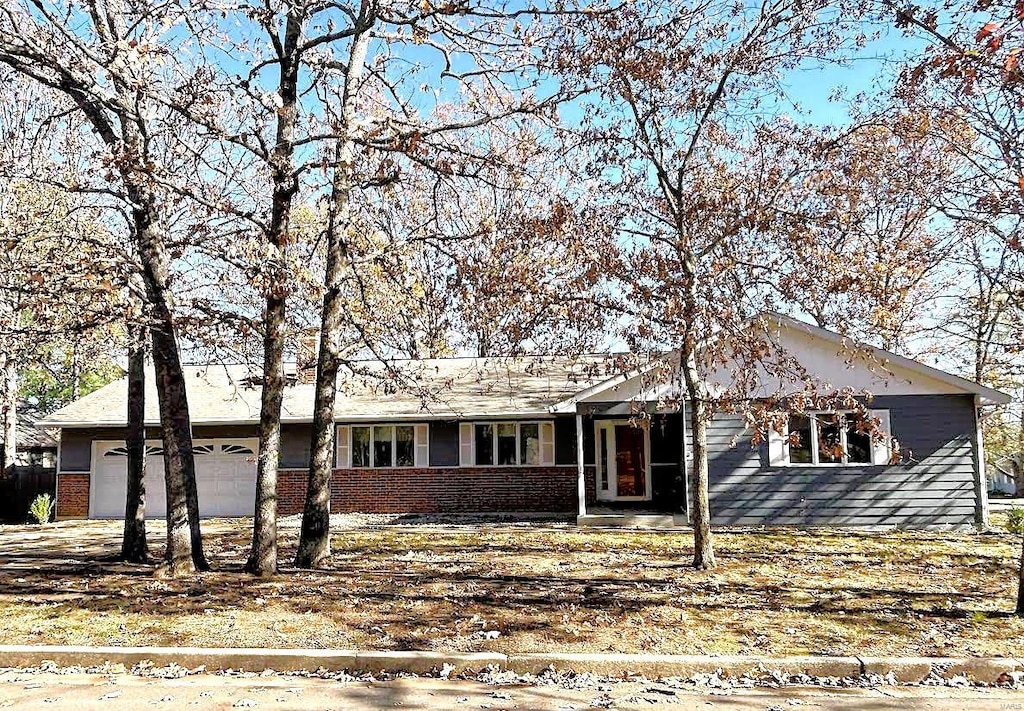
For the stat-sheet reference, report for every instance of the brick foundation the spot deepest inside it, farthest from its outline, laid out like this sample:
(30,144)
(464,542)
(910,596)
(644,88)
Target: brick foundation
(447,490)
(72,495)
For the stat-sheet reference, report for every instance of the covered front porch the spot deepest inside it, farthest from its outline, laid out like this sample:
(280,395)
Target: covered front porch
(629,471)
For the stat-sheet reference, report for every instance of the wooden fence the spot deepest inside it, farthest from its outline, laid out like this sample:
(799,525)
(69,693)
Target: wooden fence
(19,486)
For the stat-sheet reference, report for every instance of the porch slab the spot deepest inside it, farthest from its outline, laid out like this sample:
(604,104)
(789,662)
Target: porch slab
(632,519)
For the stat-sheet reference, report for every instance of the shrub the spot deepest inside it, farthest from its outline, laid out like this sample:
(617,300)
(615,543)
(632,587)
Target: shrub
(1015,520)
(41,509)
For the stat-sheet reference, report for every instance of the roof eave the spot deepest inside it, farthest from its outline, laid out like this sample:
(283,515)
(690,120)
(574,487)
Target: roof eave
(404,417)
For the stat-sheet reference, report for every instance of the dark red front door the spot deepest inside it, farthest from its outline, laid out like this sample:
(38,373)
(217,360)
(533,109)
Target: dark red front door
(631,470)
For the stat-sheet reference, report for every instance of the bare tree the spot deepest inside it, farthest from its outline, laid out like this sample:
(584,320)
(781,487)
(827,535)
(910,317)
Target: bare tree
(107,59)
(697,175)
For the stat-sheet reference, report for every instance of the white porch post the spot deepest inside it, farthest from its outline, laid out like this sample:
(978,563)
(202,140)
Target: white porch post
(581,480)
(981,519)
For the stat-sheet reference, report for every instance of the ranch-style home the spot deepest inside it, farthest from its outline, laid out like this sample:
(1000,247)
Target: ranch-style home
(549,434)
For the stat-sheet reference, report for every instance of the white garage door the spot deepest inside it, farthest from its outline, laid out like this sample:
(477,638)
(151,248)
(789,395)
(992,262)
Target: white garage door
(225,477)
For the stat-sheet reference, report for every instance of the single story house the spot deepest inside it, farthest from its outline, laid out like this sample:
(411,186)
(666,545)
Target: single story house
(553,434)
(35,446)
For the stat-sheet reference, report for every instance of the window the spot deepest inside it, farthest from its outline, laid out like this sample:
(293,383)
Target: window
(800,440)
(384,446)
(529,444)
(507,444)
(405,446)
(831,439)
(360,447)
(484,445)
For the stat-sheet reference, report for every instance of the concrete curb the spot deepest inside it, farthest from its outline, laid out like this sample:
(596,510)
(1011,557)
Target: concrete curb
(904,669)
(915,669)
(256,660)
(666,665)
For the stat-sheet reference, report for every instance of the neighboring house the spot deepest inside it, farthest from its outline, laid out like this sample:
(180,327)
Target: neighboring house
(34,471)
(544,434)
(35,447)
(1003,475)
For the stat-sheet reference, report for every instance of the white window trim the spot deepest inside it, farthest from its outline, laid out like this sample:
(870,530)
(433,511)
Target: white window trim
(494,443)
(394,444)
(815,463)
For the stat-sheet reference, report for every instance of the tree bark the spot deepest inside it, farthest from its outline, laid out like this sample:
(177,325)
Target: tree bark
(314,538)
(184,551)
(10,413)
(700,514)
(697,392)
(134,548)
(116,113)
(263,555)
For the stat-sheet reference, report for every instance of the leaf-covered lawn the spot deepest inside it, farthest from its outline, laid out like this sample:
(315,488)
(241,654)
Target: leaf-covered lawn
(527,588)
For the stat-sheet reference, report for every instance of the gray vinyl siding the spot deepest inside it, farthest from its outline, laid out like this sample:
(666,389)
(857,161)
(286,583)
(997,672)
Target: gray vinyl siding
(934,487)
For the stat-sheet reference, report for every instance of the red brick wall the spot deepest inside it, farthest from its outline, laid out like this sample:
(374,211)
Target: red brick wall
(72,495)
(447,490)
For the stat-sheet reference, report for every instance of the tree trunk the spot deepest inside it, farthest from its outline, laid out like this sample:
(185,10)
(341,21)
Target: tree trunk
(76,377)
(121,126)
(314,539)
(10,413)
(184,551)
(700,514)
(697,395)
(134,548)
(263,555)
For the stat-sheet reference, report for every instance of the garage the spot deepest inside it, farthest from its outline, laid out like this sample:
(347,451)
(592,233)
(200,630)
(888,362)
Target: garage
(225,478)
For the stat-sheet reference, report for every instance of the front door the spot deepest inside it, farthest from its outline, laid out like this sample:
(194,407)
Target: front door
(622,462)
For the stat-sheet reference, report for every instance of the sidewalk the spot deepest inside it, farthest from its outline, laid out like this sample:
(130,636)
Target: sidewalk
(92,692)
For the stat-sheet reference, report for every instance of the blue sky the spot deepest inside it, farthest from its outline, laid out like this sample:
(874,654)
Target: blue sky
(874,69)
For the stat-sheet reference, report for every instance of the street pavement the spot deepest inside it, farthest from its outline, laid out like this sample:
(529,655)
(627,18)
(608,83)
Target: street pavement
(86,692)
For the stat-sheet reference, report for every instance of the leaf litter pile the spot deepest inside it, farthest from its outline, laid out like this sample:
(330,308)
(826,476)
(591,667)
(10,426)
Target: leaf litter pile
(492,585)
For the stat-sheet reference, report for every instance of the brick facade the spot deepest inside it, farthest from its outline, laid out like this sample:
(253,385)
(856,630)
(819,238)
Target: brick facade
(72,495)
(438,490)
(434,490)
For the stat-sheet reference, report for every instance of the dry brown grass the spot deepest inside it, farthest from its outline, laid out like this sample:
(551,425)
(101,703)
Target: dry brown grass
(541,587)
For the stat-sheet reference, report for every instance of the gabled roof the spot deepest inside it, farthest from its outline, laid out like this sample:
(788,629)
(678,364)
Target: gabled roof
(988,395)
(450,388)
(30,435)
(880,363)
(444,388)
